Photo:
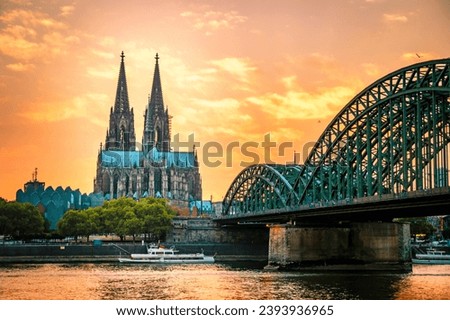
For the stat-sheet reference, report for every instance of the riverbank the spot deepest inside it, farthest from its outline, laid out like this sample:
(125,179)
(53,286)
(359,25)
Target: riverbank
(110,252)
(109,259)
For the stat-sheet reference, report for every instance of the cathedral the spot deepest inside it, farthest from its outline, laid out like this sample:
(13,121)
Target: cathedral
(151,169)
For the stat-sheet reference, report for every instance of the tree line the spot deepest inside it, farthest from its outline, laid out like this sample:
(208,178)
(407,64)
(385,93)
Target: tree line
(151,217)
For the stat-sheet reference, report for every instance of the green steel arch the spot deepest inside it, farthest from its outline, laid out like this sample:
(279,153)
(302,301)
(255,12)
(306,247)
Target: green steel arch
(391,138)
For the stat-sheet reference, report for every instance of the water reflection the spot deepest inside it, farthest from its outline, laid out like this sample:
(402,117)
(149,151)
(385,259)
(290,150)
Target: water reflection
(204,282)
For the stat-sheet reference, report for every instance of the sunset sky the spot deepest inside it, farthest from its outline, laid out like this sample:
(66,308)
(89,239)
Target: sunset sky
(232,72)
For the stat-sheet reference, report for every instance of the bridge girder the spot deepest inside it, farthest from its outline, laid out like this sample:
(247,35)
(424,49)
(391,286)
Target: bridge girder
(391,138)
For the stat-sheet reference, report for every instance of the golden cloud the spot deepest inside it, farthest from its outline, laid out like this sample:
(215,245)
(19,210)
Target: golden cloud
(107,73)
(395,18)
(30,18)
(66,10)
(371,69)
(83,106)
(211,21)
(26,35)
(418,55)
(20,67)
(238,67)
(303,105)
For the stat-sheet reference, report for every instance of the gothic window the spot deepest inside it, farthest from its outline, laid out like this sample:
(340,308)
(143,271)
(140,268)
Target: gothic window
(106,183)
(169,180)
(158,181)
(191,187)
(145,185)
(158,137)
(127,185)
(115,186)
(122,133)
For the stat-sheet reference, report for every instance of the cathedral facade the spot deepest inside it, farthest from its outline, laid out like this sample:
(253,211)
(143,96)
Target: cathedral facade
(152,169)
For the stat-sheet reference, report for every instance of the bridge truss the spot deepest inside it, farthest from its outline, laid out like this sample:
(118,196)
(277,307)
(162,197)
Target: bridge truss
(391,139)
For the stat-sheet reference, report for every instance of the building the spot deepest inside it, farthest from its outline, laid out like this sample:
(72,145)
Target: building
(53,203)
(153,169)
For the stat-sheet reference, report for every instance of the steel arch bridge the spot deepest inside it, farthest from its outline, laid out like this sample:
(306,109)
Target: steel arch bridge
(390,139)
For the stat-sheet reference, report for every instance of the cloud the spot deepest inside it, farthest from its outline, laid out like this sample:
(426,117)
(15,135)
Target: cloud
(103,54)
(371,69)
(107,73)
(289,81)
(20,67)
(418,56)
(66,10)
(298,104)
(26,35)
(211,21)
(84,106)
(107,41)
(395,18)
(226,105)
(238,67)
(30,19)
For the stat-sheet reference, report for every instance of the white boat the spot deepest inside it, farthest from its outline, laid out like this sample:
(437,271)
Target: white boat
(432,257)
(157,254)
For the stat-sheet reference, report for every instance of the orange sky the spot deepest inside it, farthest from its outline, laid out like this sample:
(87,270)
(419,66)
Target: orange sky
(231,71)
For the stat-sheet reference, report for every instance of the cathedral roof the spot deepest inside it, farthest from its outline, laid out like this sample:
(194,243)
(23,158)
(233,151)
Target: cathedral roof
(130,159)
(172,159)
(121,159)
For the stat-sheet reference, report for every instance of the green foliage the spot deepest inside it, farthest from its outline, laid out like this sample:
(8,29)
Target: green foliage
(419,226)
(123,216)
(77,223)
(20,220)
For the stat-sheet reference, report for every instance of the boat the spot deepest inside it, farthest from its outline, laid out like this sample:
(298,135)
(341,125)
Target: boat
(432,256)
(161,255)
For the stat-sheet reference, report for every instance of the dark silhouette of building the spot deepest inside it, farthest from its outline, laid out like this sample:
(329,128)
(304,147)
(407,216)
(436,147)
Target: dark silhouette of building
(53,203)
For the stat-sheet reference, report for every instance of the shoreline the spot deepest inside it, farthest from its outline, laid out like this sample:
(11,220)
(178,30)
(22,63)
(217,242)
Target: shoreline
(109,259)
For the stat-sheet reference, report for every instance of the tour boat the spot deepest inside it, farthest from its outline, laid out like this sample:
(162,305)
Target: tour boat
(157,254)
(432,257)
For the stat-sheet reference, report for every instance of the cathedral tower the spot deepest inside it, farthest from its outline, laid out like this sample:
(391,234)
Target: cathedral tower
(157,119)
(121,135)
(153,170)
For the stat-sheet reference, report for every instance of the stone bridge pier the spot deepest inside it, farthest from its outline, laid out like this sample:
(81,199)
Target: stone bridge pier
(374,245)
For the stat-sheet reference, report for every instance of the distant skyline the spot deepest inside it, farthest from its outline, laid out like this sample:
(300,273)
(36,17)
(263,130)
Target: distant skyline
(232,72)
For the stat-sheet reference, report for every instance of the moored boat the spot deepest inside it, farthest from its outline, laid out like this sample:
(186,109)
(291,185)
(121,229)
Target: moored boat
(157,254)
(432,256)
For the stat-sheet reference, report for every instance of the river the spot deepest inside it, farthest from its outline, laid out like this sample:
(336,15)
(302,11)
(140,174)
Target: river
(211,282)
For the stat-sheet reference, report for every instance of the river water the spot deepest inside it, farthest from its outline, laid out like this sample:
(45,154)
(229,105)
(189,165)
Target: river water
(211,282)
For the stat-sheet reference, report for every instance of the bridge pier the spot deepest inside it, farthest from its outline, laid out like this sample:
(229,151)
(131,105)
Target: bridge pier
(369,243)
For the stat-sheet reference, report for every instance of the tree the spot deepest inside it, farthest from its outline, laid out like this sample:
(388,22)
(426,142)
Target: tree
(132,225)
(76,223)
(20,220)
(117,213)
(156,215)
(123,216)
(4,221)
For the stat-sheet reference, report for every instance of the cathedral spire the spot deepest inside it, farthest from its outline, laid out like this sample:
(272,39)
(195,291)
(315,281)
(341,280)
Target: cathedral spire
(156,99)
(120,135)
(122,104)
(156,125)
